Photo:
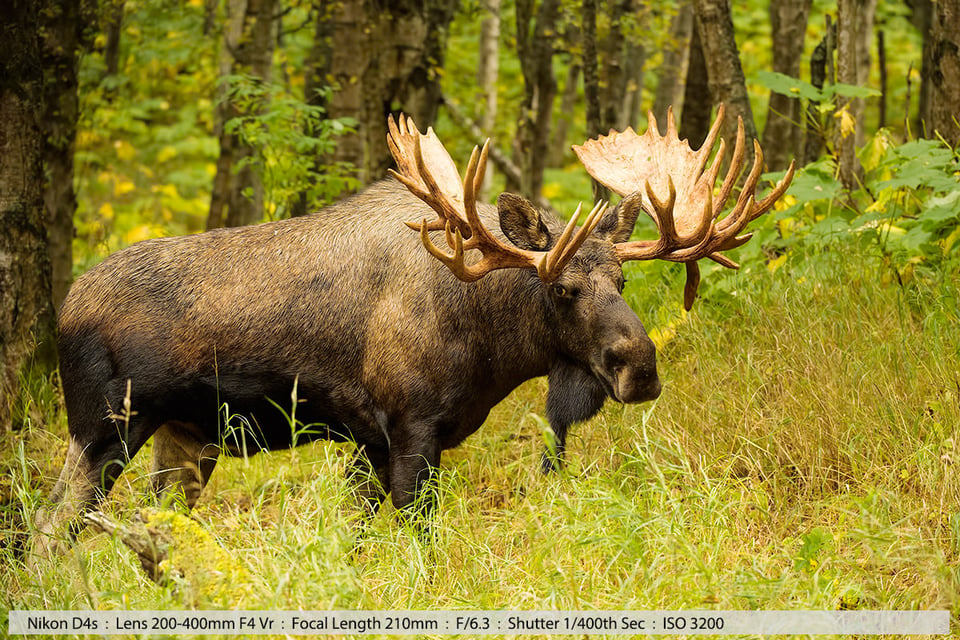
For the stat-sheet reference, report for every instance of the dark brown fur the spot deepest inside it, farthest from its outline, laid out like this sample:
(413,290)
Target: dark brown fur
(385,346)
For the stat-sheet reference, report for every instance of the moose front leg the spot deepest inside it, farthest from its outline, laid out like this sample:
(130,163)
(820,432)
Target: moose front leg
(414,457)
(369,476)
(574,395)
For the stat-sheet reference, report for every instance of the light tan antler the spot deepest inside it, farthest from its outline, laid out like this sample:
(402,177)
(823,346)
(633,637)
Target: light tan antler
(426,169)
(689,217)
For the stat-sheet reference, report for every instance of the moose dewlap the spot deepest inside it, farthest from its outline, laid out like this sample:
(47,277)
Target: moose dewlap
(399,342)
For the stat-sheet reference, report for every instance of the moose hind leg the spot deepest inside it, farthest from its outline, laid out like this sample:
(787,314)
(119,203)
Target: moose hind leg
(182,463)
(88,474)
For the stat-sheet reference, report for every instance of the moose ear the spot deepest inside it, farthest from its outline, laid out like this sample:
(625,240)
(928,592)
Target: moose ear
(520,221)
(617,223)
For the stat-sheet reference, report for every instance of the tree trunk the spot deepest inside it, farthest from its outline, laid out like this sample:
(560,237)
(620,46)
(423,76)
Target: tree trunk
(922,18)
(113,26)
(866,12)
(671,76)
(568,103)
(386,58)
(783,133)
(591,84)
(535,35)
(695,123)
(845,137)
(815,139)
(238,197)
(724,73)
(487,73)
(944,72)
(27,320)
(316,69)
(633,92)
(66,29)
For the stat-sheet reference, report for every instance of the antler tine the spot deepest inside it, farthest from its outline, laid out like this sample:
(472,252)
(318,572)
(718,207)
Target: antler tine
(740,215)
(733,172)
(764,205)
(472,180)
(565,247)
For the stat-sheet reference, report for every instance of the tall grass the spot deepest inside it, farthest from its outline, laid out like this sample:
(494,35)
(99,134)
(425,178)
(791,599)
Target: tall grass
(803,455)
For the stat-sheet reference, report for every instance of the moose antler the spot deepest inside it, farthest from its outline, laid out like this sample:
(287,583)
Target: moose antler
(689,217)
(426,169)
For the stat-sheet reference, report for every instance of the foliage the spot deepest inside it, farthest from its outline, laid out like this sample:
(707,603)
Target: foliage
(907,211)
(289,137)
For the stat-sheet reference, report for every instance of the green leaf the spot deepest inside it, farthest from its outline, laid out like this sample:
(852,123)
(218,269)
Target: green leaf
(788,86)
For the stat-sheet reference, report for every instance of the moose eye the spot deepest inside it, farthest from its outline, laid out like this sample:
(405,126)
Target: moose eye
(563,292)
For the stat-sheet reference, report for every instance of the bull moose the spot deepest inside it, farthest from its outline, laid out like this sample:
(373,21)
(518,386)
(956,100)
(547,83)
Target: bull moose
(388,340)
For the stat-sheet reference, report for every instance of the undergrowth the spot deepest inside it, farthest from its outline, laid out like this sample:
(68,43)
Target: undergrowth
(802,456)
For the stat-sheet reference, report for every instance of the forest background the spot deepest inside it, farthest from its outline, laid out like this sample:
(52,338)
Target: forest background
(815,395)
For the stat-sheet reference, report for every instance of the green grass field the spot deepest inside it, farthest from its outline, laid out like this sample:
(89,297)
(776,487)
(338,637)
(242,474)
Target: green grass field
(803,455)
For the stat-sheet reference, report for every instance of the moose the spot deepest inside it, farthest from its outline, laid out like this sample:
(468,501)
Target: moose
(398,342)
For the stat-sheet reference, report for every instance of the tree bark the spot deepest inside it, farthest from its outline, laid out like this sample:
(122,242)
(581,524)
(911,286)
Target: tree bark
(671,76)
(568,104)
(386,58)
(866,13)
(695,122)
(845,138)
(316,69)
(487,73)
(724,72)
(238,197)
(922,18)
(815,139)
(591,84)
(113,26)
(535,34)
(783,133)
(944,72)
(66,29)
(27,320)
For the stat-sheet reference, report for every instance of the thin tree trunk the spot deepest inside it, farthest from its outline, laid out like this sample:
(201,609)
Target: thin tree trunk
(882,65)
(922,18)
(671,76)
(113,28)
(783,133)
(724,72)
(210,16)
(487,73)
(568,103)
(27,320)
(67,28)
(238,197)
(845,137)
(944,66)
(316,69)
(591,84)
(613,73)
(633,92)
(813,146)
(695,122)
(536,62)
(866,12)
